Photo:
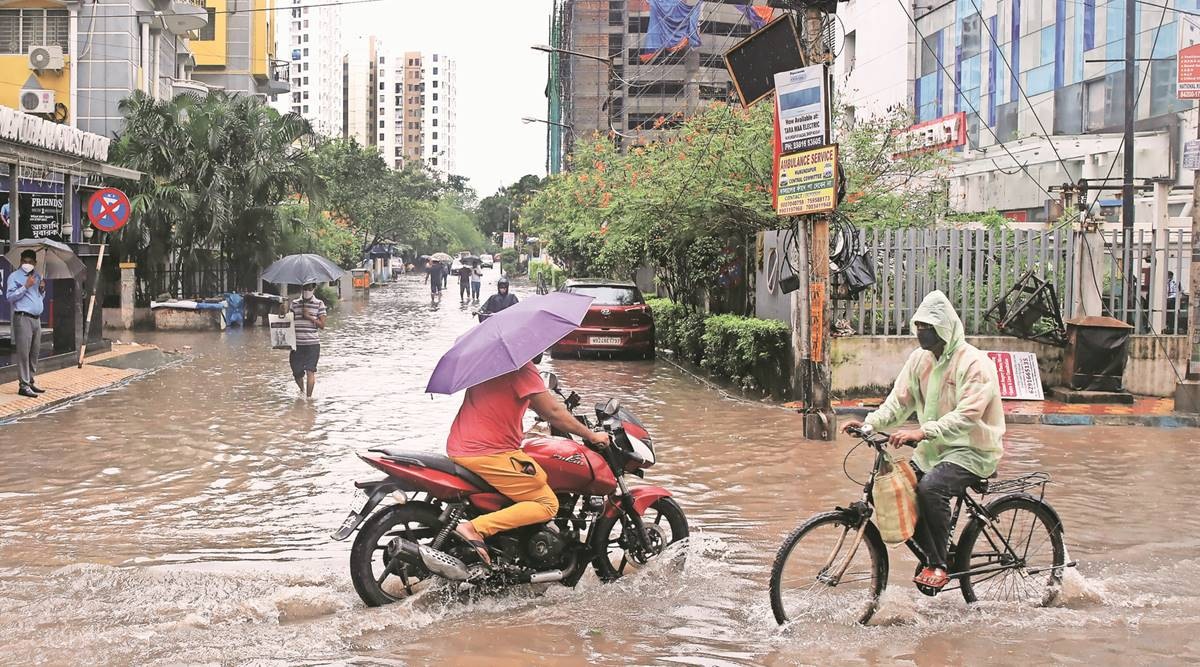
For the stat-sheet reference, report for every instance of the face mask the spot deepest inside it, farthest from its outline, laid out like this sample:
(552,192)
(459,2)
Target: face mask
(28,268)
(928,339)
(307,294)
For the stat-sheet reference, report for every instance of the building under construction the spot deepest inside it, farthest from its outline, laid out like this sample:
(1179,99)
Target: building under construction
(666,61)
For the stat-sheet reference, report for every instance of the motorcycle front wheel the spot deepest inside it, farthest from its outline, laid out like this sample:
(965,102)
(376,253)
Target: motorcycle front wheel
(617,554)
(377,579)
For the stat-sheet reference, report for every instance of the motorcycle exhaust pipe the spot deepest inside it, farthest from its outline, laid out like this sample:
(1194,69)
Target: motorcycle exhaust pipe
(437,562)
(546,577)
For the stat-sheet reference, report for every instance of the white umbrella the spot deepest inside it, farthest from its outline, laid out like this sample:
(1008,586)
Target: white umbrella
(55,260)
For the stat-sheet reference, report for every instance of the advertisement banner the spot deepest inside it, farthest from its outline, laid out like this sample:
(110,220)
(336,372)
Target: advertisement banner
(1187,86)
(802,104)
(806,182)
(510,239)
(1019,376)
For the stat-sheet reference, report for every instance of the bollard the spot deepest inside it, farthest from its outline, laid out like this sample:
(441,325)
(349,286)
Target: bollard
(128,290)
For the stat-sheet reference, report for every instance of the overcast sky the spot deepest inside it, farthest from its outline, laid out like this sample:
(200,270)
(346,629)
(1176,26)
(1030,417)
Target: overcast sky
(500,79)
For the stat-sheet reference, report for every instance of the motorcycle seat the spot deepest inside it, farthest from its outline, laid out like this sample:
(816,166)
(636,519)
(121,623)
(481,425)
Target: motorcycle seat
(439,462)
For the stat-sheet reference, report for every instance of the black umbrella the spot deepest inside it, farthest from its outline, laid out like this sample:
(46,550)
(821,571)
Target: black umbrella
(303,269)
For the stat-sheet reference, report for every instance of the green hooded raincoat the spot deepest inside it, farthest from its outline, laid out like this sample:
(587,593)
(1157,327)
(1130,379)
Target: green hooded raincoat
(956,397)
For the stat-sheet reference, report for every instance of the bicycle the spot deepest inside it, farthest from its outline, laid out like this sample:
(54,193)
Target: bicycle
(815,575)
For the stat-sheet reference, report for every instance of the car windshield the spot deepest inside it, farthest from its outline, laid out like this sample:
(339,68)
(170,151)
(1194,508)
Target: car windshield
(608,295)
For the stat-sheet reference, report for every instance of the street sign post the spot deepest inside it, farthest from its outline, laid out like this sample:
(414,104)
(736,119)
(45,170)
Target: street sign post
(108,210)
(1191,154)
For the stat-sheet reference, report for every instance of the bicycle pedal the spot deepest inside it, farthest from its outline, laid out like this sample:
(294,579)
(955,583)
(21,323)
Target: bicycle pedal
(928,590)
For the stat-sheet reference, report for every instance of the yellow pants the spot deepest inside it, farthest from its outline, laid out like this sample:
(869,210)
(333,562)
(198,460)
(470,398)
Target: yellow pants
(521,479)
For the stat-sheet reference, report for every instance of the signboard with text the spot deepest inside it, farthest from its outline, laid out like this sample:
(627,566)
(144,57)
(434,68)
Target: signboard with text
(41,215)
(938,134)
(802,107)
(510,239)
(1187,86)
(806,182)
(1020,378)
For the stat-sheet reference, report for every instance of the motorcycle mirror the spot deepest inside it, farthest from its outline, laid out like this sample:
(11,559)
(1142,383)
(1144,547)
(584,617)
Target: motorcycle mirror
(551,380)
(612,407)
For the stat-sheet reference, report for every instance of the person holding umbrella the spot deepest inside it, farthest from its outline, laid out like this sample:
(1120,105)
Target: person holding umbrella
(309,313)
(25,291)
(494,362)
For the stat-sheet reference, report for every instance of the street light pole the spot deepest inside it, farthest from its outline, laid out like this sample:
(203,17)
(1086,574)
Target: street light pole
(608,63)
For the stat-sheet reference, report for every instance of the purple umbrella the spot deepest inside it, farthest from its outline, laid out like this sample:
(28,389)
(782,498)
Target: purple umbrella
(507,341)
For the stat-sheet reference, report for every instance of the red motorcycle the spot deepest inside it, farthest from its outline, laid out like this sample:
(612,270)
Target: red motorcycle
(403,546)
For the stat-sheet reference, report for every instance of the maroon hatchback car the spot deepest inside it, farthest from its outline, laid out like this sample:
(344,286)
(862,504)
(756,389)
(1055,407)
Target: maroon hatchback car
(618,321)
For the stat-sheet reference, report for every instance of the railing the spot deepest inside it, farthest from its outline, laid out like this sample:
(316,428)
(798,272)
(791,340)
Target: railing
(975,267)
(201,283)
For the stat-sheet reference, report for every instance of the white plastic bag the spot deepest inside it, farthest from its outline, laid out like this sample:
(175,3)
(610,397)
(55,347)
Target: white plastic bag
(283,331)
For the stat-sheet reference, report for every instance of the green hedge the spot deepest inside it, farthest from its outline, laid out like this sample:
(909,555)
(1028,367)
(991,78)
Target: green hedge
(555,277)
(751,353)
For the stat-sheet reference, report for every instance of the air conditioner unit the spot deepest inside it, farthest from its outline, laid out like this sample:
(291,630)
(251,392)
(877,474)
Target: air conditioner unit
(46,57)
(37,101)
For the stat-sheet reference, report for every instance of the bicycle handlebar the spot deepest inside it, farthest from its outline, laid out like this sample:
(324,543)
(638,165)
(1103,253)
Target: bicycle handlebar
(872,437)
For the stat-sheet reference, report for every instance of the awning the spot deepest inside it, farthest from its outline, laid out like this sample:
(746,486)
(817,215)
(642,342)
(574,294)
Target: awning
(27,156)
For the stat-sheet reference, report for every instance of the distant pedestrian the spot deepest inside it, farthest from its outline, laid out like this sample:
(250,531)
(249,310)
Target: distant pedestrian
(435,276)
(1172,285)
(476,282)
(464,284)
(25,291)
(309,313)
(445,276)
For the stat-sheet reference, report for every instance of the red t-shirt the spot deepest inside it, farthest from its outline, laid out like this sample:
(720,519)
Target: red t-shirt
(489,421)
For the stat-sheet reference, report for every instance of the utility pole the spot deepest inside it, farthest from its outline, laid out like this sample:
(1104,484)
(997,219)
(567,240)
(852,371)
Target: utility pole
(820,422)
(1131,9)
(1187,393)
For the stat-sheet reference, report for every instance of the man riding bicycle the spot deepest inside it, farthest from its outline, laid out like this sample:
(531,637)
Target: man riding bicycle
(952,388)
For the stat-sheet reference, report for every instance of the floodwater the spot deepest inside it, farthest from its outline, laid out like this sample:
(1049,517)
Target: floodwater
(182,519)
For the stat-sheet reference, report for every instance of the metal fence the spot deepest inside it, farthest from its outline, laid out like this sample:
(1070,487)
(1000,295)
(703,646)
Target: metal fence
(975,267)
(203,282)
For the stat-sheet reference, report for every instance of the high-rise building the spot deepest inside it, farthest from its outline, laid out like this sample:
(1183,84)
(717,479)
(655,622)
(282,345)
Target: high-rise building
(417,119)
(235,51)
(360,71)
(667,62)
(312,39)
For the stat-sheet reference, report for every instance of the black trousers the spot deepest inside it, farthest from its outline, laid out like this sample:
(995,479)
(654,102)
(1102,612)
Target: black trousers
(935,490)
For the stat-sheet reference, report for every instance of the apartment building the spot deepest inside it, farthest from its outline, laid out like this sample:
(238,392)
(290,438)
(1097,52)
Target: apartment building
(360,97)
(235,51)
(654,84)
(417,118)
(312,39)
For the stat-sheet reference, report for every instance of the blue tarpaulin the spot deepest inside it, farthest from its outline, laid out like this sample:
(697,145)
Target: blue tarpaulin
(233,308)
(674,25)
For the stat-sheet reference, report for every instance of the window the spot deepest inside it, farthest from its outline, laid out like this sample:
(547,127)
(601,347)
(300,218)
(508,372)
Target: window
(306,94)
(399,152)
(435,97)
(435,109)
(433,161)
(848,49)
(306,81)
(305,23)
(21,29)
(381,85)
(435,71)
(435,84)
(435,57)
(295,97)
(970,35)
(1068,110)
(399,100)
(435,122)
(305,108)
(1162,88)
(614,44)
(382,124)
(435,138)
(306,52)
(930,47)
(209,32)
(1105,102)
(381,136)
(399,88)
(1006,121)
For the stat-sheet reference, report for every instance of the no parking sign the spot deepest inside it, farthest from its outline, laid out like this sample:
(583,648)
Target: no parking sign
(108,209)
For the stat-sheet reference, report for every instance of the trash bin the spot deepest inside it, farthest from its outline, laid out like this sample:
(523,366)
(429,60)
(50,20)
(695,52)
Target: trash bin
(361,278)
(1097,349)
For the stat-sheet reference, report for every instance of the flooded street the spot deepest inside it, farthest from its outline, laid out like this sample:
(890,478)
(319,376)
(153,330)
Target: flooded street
(183,519)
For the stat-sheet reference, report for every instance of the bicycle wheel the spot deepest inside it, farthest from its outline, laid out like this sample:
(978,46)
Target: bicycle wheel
(1027,570)
(821,574)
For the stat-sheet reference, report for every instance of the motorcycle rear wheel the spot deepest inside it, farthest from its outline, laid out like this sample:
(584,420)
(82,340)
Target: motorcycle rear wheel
(374,581)
(614,560)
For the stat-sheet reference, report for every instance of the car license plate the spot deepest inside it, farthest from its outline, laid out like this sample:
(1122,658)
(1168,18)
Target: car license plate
(604,340)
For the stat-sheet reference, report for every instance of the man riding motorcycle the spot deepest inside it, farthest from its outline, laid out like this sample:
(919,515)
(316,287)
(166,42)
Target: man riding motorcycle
(499,301)
(952,388)
(486,439)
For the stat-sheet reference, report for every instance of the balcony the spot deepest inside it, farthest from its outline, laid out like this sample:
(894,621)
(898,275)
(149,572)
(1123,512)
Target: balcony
(278,81)
(196,89)
(183,16)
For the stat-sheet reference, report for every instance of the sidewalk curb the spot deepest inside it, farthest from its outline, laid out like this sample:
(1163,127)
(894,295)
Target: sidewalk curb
(1063,419)
(59,402)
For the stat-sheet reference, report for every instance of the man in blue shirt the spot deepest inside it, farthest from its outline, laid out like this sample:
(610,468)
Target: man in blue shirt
(24,290)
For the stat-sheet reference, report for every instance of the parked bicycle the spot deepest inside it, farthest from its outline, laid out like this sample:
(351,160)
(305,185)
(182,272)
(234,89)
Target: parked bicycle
(834,567)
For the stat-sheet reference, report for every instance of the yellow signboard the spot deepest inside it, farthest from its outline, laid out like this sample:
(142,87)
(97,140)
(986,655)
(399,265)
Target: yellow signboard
(807,182)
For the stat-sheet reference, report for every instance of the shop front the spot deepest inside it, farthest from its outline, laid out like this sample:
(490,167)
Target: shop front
(47,173)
